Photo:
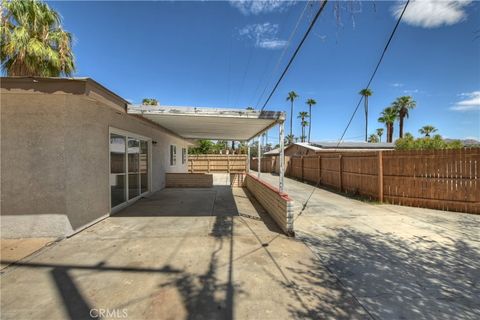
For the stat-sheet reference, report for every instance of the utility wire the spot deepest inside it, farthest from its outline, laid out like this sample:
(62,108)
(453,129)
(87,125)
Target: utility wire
(322,6)
(374,72)
(292,34)
(360,101)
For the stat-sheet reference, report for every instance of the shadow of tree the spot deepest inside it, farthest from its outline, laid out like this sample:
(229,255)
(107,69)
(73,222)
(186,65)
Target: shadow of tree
(390,276)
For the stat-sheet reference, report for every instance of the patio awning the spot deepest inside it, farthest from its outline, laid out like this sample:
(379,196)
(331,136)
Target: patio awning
(210,123)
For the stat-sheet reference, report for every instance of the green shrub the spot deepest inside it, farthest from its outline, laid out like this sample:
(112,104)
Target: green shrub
(408,142)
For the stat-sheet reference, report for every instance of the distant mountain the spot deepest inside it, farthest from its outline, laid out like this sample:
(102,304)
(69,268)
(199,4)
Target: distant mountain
(467,142)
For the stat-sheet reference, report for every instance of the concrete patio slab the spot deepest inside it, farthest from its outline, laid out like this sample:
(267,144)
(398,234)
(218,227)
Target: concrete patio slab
(180,254)
(17,249)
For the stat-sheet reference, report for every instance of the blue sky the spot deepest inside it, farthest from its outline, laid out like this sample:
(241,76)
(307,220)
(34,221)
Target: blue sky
(223,54)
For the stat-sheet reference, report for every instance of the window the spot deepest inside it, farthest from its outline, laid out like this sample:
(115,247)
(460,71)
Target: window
(173,155)
(184,155)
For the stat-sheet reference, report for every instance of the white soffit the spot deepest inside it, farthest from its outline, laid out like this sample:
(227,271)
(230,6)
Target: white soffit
(210,123)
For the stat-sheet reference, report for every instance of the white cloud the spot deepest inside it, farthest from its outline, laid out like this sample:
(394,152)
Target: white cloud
(260,6)
(397,85)
(263,35)
(410,91)
(272,44)
(471,103)
(432,13)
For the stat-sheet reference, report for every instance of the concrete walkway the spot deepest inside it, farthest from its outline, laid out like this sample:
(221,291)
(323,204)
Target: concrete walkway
(398,262)
(180,254)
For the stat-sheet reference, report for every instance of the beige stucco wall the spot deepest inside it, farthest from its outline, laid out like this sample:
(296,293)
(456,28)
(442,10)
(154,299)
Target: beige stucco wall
(55,160)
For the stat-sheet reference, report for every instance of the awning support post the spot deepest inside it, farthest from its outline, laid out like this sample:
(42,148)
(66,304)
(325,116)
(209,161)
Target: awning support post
(259,156)
(281,170)
(248,156)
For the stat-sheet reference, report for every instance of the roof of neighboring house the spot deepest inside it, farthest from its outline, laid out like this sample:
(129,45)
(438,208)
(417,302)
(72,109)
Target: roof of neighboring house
(210,123)
(322,145)
(276,151)
(332,145)
(272,152)
(306,145)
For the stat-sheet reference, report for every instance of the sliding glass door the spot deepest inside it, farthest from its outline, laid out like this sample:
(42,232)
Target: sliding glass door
(129,167)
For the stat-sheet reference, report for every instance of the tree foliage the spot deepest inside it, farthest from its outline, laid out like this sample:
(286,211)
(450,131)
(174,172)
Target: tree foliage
(373,138)
(402,105)
(427,130)
(408,142)
(150,102)
(33,42)
(388,116)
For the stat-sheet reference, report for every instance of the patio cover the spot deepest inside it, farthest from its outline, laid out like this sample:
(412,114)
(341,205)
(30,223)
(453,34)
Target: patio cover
(210,123)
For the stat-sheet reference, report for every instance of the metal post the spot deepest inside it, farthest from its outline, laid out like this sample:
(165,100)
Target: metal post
(281,170)
(248,156)
(259,156)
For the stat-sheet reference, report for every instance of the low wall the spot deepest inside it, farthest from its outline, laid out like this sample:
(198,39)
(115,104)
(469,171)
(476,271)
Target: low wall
(278,205)
(188,180)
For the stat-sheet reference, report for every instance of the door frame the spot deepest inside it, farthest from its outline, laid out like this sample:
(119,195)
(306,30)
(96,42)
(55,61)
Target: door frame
(127,134)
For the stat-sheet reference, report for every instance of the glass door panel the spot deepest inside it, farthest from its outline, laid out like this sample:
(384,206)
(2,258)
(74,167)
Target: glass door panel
(133,168)
(117,170)
(143,166)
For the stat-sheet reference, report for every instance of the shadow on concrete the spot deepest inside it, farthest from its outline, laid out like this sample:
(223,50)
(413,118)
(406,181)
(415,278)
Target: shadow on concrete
(76,306)
(209,295)
(391,277)
(214,297)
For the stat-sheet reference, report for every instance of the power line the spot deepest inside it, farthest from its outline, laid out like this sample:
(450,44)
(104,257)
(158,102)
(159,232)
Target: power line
(368,85)
(296,51)
(292,34)
(375,71)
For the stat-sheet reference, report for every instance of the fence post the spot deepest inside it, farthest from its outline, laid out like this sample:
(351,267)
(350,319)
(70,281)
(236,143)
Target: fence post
(340,172)
(380,176)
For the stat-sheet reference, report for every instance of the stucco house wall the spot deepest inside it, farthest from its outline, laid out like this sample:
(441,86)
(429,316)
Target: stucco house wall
(55,157)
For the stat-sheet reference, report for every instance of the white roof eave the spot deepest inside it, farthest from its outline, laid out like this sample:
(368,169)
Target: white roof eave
(210,123)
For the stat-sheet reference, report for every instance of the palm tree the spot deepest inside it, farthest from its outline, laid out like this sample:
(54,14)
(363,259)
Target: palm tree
(373,138)
(310,102)
(402,105)
(292,95)
(303,115)
(33,42)
(289,139)
(380,134)
(366,93)
(426,130)
(388,116)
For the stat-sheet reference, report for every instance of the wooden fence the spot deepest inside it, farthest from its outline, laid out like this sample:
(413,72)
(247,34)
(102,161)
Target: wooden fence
(437,179)
(210,163)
